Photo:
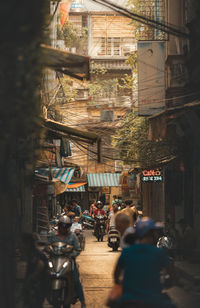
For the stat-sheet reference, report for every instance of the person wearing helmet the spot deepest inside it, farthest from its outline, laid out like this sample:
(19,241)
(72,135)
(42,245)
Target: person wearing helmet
(65,235)
(141,265)
(98,211)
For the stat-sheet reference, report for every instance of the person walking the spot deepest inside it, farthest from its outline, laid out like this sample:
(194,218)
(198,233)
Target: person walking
(127,232)
(130,211)
(92,207)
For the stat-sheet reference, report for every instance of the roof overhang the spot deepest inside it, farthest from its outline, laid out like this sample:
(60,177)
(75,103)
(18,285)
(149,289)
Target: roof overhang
(71,64)
(159,122)
(70,132)
(173,110)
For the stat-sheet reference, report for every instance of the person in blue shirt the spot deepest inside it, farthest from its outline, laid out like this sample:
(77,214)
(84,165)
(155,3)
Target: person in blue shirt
(76,208)
(141,264)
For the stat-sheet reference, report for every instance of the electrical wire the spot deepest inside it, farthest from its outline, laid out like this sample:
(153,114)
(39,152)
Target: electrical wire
(164,27)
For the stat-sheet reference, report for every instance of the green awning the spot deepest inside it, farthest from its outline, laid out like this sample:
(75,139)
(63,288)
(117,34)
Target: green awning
(103,179)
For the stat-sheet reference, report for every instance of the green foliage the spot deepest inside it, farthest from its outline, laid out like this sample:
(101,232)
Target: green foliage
(128,82)
(97,69)
(64,93)
(69,90)
(146,8)
(132,141)
(103,87)
(100,86)
(72,36)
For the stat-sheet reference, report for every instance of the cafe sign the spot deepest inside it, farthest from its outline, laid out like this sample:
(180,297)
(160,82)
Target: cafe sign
(153,175)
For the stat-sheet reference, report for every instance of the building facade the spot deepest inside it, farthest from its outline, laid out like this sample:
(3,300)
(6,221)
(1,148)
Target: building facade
(100,104)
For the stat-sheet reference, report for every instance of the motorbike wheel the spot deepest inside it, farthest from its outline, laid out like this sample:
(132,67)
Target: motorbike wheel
(115,247)
(83,244)
(55,299)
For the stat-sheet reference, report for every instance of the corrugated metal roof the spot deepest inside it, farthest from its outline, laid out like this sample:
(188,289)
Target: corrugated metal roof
(62,174)
(103,179)
(78,189)
(91,6)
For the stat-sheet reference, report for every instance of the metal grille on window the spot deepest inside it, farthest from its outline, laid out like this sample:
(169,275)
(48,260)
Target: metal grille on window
(153,9)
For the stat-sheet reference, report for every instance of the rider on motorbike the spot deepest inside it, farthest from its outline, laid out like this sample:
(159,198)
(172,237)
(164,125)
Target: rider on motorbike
(65,235)
(97,212)
(141,264)
(76,225)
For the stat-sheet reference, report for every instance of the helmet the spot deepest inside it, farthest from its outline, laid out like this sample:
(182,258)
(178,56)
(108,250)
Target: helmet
(146,224)
(99,205)
(65,221)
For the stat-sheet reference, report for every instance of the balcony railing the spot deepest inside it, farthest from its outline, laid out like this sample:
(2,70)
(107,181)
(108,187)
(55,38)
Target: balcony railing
(110,64)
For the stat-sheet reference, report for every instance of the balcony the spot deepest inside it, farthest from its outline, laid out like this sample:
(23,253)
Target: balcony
(110,102)
(110,64)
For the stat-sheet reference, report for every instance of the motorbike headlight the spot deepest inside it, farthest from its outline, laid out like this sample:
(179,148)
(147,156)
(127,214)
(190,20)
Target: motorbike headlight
(65,264)
(50,264)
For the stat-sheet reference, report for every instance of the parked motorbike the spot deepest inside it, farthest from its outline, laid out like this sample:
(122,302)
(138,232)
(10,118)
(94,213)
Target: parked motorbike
(87,221)
(81,238)
(113,239)
(100,227)
(61,272)
(167,243)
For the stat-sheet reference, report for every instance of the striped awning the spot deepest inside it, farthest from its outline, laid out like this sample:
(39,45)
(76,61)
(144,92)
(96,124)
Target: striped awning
(103,179)
(62,174)
(78,189)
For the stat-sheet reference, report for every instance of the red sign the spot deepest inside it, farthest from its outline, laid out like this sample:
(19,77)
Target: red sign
(154,175)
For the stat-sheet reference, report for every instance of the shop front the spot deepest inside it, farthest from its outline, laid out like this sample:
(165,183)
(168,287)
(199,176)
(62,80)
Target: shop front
(153,193)
(103,186)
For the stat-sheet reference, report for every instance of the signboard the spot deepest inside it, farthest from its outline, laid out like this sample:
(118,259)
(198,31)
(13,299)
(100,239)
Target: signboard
(151,77)
(153,175)
(106,190)
(76,6)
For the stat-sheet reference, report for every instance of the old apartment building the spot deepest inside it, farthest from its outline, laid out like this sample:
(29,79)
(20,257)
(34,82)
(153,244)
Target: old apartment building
(109,41)
(100,104)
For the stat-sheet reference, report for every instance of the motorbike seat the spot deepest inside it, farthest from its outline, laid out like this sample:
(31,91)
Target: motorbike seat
(113,232)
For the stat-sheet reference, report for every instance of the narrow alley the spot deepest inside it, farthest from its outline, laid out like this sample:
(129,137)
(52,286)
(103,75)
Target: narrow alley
(96,264)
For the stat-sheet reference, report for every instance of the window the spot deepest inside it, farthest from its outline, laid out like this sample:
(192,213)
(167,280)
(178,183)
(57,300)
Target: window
(110,46)
(107,115)
(113,46)
(84,21)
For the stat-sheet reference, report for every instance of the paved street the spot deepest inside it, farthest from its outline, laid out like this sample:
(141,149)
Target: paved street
(96,265)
